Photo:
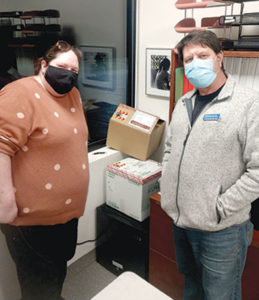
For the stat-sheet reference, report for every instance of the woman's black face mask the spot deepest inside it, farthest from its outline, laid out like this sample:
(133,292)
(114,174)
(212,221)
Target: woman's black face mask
(61,80)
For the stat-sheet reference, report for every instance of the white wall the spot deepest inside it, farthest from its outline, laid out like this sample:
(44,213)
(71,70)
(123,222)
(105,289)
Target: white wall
(155,30)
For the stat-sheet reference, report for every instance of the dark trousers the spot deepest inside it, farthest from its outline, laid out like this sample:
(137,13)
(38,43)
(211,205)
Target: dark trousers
(40,254)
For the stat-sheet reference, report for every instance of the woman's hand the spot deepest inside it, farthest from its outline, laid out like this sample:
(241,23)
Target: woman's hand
(8,207)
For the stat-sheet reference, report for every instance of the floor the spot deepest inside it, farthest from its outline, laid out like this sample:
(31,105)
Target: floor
(85,278)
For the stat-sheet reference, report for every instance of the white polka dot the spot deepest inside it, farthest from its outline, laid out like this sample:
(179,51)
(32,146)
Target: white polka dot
(80,100)
(68,201)
(56,114)
(72,109)
(57,167)
(48,186)
(37,95)
(45,130)
(25,148)
(26,210)
(20,115)
(14,189)
(83,166)
(75,131)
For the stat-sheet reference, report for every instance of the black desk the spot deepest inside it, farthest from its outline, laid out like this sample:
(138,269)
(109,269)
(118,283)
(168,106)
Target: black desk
(123,243)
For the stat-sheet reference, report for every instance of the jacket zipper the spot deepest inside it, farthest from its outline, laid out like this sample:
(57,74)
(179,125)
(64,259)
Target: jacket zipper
(178,173)
(181,158)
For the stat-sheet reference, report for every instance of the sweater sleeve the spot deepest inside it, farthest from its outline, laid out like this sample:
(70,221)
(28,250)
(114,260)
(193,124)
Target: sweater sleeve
(15,117)
(246,189)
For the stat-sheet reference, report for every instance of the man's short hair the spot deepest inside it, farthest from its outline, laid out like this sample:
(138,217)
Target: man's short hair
(205,38)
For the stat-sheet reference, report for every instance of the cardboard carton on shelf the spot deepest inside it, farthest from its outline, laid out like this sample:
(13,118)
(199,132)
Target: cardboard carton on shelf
(134,132)
(129,184)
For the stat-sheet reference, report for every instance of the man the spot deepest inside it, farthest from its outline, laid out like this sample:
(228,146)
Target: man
(211,172)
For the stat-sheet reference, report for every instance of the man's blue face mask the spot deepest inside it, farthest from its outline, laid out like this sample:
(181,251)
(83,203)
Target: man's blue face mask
(200,72)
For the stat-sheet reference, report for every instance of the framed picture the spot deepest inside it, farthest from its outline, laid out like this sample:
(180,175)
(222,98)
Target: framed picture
(158,72)
(97,67)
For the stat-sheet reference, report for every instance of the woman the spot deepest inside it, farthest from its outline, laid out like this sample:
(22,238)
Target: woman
(44,171)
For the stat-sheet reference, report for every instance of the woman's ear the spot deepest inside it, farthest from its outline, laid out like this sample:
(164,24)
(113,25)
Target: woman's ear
(43,66)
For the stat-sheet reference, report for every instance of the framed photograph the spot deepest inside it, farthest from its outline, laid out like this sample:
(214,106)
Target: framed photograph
(97,67)
(158,72)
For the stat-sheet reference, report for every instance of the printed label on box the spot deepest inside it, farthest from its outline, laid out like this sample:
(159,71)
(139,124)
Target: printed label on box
(143,120)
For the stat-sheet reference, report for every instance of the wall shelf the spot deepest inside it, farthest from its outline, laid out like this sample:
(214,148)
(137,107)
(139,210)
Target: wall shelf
(244,54)
(185,4)
(24,29)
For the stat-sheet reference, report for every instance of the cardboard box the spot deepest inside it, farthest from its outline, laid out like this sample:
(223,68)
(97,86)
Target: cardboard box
(129,184)
(134,132)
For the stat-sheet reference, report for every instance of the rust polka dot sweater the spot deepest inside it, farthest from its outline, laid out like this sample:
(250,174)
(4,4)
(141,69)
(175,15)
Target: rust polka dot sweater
(46,138)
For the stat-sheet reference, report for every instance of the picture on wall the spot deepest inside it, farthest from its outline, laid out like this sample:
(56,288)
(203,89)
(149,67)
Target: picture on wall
(158,72)
(97,67)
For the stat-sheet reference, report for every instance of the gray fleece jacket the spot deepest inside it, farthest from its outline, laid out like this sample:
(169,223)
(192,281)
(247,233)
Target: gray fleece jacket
(210,171)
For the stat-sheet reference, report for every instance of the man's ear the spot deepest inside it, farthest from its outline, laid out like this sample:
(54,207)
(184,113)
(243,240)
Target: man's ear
(220,58)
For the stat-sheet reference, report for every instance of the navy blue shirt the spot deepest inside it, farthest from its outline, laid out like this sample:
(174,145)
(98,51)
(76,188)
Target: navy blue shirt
(202,101)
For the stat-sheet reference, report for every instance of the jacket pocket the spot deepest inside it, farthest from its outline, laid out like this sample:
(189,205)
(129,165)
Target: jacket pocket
(217,212)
